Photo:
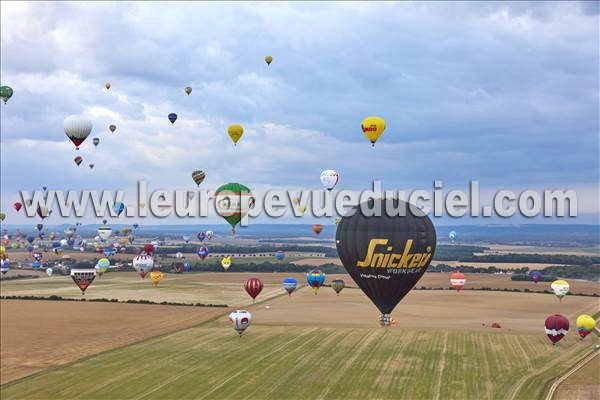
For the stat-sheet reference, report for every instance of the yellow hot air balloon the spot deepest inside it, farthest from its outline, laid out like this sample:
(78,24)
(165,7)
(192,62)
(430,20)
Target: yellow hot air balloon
(268,60)
(235,132)
(373,127)
(226,262)
(156,277)
(107,85)
(560,287)
(585,325)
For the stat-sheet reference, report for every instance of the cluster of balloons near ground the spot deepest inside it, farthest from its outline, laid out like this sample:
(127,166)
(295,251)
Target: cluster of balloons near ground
(557,326)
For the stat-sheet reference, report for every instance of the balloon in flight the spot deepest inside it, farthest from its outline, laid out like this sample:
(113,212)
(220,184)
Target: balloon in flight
(240,320)
(83,278)
(77,128)
(105,232)
(233,202)
(338,285)
(253,287)
(269,60)
(112,128)
(172,117)
(329,178)
(290,284)
(560,287)
(198,177)
(385,255)
(188,90)
(17,205)
(317,228)
(535,276)
(6,93)
(315,279)
(143,263)
(226,262)
(373,127)
(118,207)
(452,236)
(107,85)
(78,160)
(235,132)
(458,280)
(585,325)
(202,252)
(279,255)
(556,327)
(201,236)
(156,277)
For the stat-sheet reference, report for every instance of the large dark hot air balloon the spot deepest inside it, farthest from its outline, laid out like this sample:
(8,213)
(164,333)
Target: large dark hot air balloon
(253,287)
(556,327)
(83,278)
(385,255)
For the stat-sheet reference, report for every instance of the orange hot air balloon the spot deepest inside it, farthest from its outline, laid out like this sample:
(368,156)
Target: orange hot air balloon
(156,277)
(317,228)
(457,280)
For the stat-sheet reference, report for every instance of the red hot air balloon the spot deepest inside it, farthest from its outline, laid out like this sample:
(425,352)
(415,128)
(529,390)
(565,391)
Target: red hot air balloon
(556,327)
(457,280)
(78,160)
(149,248)
(18,205)
(253,287)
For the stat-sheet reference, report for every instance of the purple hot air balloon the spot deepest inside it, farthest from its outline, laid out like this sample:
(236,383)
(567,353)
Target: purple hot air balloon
(202,252)
(201,236)
(535,276)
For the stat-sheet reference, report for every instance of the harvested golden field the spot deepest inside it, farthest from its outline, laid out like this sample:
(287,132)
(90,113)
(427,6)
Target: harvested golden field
(37,335)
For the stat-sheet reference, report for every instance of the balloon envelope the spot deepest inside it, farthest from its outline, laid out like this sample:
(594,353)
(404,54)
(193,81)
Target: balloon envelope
(235,132)
(172,117)
(77,129)
(385,255)
(315,279)
(457,280)
(253,287)
(585,325)
(290,284)
(329,178)
(556,327)
(373,127)
(240,320)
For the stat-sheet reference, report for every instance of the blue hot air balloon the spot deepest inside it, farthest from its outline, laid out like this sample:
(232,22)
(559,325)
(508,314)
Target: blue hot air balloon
(202,252)
(172,117)
(36,264)
(290,284)
(201,236)
(280,255)
(118,207)
(187,267)
(30,239)
(109,251)
(96,141)
(315,279)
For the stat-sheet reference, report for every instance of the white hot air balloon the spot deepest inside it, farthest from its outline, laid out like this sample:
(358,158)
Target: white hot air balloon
(143,263)
(77,129)
(49,271)
(329,178)
(560,287)
(209,235)
(240,319)
(179,255)
(104,232)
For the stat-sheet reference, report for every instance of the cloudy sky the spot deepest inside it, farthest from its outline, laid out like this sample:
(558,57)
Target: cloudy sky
(506,94)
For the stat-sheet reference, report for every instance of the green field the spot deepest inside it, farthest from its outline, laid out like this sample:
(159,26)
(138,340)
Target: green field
(210,361)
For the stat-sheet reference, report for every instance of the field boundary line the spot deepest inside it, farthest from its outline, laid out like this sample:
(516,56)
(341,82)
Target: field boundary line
(564,377)
(442,365)
(226,311)
(515,389)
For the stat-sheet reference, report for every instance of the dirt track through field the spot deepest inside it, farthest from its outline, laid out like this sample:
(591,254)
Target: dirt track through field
(37,335)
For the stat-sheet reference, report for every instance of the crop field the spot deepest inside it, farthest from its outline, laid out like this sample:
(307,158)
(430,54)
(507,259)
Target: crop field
(322,346)
(206,288)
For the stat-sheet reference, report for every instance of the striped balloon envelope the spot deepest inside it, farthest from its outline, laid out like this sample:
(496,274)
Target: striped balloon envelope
(253,287)
(457,280)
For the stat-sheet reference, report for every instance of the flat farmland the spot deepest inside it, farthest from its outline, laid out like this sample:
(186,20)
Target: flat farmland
(205,288)
(37,335)
(276,360)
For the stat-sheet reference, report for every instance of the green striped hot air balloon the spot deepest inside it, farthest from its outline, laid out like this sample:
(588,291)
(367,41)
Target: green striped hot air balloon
(233,201)
(6,93)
